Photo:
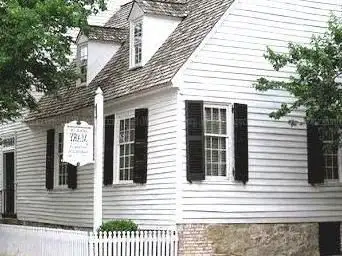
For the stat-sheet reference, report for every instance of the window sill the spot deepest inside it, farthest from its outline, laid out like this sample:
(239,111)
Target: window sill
(60,189)
(124,184)
(332,182)
(135,67)
(226,180)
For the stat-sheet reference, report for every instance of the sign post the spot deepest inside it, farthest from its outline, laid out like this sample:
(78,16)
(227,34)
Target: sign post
(98,155)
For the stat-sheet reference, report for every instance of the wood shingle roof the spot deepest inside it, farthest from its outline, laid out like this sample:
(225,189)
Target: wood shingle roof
(117,80)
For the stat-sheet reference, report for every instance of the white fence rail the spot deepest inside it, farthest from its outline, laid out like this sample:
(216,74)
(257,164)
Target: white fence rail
(33,241)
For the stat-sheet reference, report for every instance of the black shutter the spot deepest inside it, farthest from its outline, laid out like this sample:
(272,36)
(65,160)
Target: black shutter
(108,150)
(50,153)
(329,238)
(72,176)
(140,146)
(241,142)
(195,153)
(315,155)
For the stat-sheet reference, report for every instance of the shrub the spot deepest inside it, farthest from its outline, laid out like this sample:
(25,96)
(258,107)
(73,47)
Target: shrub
(118,225)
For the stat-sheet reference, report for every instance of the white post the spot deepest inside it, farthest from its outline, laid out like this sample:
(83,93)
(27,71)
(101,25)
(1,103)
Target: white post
(98,158)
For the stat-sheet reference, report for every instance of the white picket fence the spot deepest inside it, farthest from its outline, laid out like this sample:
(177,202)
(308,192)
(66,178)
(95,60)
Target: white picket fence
(140,243)
(33,241)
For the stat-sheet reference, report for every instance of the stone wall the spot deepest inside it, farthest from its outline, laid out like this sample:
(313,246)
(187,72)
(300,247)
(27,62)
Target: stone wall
(249,240)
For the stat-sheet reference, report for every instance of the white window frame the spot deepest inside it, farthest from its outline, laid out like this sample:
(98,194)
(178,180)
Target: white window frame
(80,47)
(133,23)
(56,161)
(339,163)
(229,141)
(118,117)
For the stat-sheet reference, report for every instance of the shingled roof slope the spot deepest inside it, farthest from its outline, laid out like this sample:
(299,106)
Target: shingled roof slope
(120,18)
(108,34)
(117,80)
(175,9)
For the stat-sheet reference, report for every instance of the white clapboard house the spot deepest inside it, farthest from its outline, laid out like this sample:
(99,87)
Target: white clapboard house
(188,139)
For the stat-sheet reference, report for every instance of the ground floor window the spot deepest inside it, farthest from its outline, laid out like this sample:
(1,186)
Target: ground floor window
(61,167)
(217,136)
(125,124)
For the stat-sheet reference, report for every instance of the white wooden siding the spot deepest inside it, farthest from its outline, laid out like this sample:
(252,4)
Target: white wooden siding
(224,70)
(34,202)
(152,205)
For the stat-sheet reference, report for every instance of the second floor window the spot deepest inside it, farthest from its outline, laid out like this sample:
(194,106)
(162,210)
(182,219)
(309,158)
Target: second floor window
(83,62)
(136,43)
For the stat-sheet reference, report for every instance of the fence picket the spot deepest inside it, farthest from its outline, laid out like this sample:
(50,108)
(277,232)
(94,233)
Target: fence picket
(115,244)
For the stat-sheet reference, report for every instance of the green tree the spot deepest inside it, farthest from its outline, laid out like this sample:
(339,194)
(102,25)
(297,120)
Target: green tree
(34,48)
(317,84)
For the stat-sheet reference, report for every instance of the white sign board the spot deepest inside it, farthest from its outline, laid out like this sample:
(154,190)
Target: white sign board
(7,143)
(78,143)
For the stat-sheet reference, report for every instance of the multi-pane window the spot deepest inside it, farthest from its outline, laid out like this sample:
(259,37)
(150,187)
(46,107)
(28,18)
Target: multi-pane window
(330,157)
(137,43)
(126,149)
(83,62)
(62,166)
(216,139)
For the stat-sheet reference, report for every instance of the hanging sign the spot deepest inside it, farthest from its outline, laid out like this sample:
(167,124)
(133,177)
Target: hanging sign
(78,143)
(7,143)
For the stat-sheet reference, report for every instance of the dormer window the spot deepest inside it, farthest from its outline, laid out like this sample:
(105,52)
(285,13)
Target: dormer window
(136,44)
(83,62)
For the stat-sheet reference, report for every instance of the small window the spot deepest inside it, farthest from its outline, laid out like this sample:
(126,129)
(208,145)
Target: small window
(216,140)
(61,167)
(136,43)
(331,157)
(125,148)
(83,62)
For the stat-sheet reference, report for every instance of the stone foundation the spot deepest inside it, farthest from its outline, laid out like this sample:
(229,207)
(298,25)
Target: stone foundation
(249,240)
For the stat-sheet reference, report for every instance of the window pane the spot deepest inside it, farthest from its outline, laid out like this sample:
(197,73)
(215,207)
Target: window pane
(215,169)
(208,156)
(223,143)
(215,127)
(131,161)
(208,127)
(208,172)
(215,156)
(131,174)
(208,142)
(223,128)
(215,114)
(215,142)
(223,156)
(222,170)
(207,114)
(122,137)
(122,163)
(127,139)
(223,115)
